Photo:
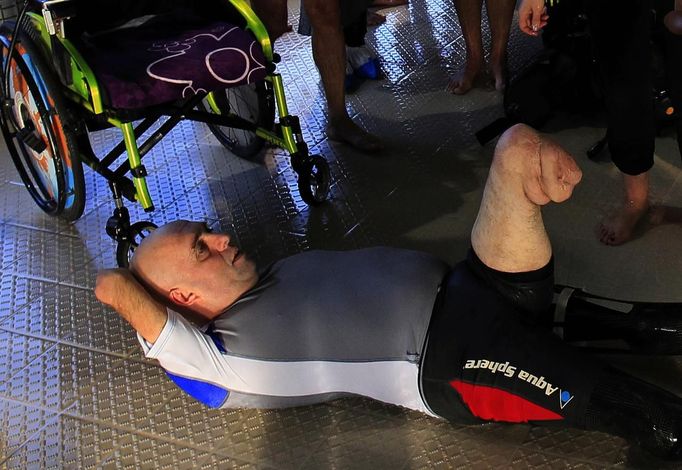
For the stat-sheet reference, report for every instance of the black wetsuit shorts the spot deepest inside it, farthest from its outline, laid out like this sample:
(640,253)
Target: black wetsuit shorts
(487,359)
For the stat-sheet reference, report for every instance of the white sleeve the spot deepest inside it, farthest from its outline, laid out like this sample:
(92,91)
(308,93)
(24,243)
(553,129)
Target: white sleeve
(192,360)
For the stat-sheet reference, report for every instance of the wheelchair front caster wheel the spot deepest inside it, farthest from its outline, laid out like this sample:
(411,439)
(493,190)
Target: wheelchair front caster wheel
(126,247)
(314,181)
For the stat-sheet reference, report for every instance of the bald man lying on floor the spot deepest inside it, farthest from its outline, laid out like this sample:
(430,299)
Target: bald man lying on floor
(398,326)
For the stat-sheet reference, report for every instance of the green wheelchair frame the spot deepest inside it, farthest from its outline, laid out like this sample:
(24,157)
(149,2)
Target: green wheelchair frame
(64,95)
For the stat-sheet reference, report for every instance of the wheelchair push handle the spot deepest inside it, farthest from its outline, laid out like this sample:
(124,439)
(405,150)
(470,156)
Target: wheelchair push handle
(55,12)
(673,20)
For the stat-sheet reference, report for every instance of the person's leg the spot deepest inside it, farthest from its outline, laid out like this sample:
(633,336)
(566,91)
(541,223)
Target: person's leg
(618,226)
(330,57)
(469,15)
(358,56)
(622,36)
(485,362)
(528,171)
(355,29)
(274,15)
(363,64)
(500,14)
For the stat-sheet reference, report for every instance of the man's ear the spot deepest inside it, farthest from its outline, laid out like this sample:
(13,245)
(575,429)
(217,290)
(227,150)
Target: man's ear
(184,299)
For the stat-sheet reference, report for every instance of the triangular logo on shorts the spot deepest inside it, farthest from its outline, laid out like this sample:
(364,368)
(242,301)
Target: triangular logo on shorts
(564,398)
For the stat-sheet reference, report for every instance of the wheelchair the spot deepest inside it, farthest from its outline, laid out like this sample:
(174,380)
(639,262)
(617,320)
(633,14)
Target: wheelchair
(73,67)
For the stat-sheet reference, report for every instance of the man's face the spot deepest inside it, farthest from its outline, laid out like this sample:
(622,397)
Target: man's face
(194,266)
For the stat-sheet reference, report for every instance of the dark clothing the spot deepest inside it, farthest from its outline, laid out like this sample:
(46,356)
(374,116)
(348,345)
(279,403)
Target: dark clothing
(318,325)
(486,360)
(530,291)
(622,39)
(373,304)
(324,325)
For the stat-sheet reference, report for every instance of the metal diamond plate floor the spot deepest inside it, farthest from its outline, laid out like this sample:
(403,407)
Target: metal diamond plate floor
(75,390)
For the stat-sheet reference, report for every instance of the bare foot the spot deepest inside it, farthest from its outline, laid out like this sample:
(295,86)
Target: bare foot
(375,19)
(619,226)
(466,80)
(348,132)
(460,85)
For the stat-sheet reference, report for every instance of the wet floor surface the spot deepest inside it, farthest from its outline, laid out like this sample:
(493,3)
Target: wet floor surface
(75,390)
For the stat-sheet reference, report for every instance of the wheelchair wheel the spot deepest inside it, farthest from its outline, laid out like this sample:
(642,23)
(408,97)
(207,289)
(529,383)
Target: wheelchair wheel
(314,181)
(136,233)
(252,102)
(38,130)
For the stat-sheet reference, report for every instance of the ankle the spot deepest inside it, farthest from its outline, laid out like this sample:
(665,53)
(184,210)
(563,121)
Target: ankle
(498,59)
(636,204)
(474,63)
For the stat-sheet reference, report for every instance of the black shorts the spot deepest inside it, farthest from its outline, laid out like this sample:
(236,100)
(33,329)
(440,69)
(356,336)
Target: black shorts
(621,34)
(485,361)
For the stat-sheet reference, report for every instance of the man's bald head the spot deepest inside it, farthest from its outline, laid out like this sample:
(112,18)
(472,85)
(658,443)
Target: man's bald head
(152,260)
(188,264)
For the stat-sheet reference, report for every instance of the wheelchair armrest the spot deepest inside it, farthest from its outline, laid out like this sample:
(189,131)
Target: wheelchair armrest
(55,12)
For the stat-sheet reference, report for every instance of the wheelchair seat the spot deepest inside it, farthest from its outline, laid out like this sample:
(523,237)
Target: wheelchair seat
(168,58)
(74,67)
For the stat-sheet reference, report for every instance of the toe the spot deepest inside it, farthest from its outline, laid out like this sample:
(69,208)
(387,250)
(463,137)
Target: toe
(452,86)
(462,88)
(607,238)
(604,234)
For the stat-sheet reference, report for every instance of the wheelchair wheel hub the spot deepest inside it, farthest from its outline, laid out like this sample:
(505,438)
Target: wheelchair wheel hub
(31,131)
(29,134)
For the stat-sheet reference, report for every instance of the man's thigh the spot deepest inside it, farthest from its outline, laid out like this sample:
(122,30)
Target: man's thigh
(485,361)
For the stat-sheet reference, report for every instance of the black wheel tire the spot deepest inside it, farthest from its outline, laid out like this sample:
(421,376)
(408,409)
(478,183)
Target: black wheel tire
(253,102)
(314,181)
(58,186)
(125,248)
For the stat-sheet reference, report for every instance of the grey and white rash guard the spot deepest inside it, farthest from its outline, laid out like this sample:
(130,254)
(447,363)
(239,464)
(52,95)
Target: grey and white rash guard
(318,325)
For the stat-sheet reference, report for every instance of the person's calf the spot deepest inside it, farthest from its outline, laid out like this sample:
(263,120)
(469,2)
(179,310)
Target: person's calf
(323,13)
(274,15)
